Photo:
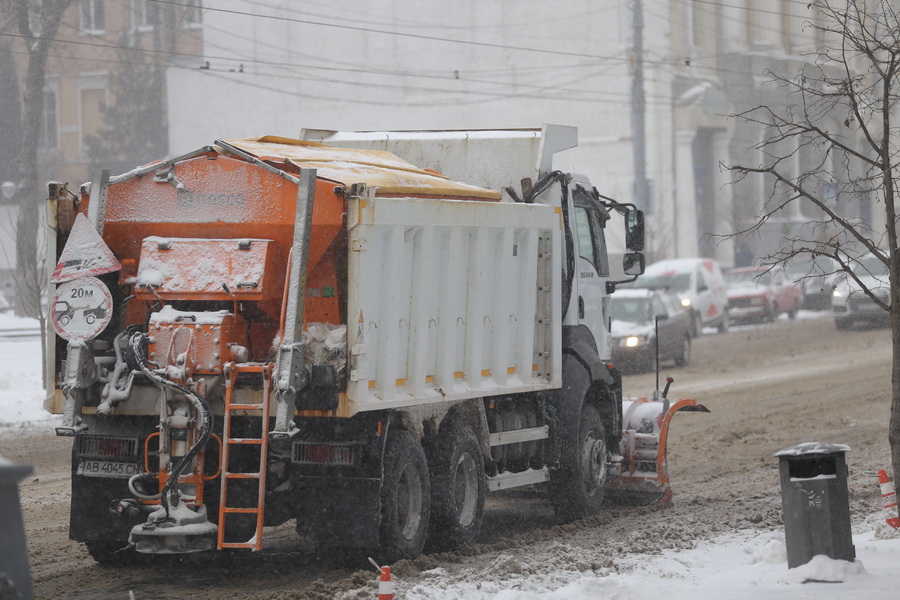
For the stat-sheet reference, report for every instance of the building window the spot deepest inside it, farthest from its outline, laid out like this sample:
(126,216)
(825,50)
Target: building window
(193,12)
(92,98)
(92,17)
(49,138)
(144,15)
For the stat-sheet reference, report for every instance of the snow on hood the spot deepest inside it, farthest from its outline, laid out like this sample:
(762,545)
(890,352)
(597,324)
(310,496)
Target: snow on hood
(620,329)
(744,289)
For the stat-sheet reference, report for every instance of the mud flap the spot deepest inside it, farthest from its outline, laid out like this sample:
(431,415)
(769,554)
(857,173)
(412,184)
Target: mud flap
(644,477)
(338,511)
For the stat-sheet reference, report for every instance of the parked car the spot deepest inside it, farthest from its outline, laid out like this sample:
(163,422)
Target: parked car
(761,294)
(850,304)
(817,277)
(699,285)
(637,315)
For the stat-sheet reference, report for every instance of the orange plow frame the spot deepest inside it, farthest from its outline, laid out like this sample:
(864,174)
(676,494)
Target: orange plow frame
(645,471)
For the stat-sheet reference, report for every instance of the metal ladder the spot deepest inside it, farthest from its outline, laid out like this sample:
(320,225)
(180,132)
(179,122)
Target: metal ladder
(232,371)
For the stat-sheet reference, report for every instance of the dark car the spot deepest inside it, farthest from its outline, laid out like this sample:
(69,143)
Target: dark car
(850,304)
(637,315)
(817,276)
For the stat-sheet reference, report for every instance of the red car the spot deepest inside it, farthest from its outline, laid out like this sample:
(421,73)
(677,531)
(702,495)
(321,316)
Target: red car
(761,294)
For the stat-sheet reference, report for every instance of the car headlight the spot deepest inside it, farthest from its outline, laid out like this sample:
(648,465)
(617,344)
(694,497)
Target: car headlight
(686,302)
(633,341)
(838,293)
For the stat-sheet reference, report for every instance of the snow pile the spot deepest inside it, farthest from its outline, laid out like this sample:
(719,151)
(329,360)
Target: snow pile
(21,383)
(746,565)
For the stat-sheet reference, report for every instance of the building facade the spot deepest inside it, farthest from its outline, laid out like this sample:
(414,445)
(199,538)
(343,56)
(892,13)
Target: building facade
(136,80)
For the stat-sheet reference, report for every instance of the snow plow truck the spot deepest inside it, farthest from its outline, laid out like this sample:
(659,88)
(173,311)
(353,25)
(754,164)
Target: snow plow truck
(271,329)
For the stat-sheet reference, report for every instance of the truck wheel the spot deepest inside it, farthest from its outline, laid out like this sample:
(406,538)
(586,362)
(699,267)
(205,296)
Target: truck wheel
(725,325)
(405,498)
(111,553)
(458,489)
(581,481)
(685,356)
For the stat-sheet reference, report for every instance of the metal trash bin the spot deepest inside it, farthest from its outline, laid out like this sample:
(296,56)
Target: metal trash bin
(15,578)
(815,502)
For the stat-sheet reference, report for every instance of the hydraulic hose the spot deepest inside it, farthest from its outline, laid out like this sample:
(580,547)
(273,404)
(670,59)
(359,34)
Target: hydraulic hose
(204,415)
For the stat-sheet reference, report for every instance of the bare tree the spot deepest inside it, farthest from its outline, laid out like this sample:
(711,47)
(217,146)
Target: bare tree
(37,24)
(829,157)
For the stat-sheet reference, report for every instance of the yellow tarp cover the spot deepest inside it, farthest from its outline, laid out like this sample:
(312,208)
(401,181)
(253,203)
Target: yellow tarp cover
(375,168)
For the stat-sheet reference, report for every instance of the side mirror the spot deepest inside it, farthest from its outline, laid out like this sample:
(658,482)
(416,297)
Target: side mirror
(634,231)
(633,263)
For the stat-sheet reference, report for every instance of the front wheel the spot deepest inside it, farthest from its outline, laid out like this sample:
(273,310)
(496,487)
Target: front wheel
(725,325)
(698,324)
(405,498)
(685,356)
(458,488)
(578,488)
(792,314)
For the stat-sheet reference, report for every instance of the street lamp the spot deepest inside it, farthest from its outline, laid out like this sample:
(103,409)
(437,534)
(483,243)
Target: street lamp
(8,189)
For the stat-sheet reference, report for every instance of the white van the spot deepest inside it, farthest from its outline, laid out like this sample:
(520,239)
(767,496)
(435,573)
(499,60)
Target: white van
(699,284)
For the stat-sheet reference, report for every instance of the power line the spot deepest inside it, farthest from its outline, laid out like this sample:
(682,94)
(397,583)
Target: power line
(237,61)
(281,65)
(562,94)
(399,33)
(371,19)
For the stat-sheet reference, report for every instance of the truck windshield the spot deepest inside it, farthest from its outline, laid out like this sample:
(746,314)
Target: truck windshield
(633,310)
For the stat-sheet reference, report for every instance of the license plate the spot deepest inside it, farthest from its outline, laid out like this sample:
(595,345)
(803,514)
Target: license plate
(104,468)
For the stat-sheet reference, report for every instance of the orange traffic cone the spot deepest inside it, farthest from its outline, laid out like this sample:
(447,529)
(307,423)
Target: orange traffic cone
(889,498)
(385,585)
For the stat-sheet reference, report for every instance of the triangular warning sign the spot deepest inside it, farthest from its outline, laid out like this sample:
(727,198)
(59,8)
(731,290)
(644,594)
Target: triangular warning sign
(85,254)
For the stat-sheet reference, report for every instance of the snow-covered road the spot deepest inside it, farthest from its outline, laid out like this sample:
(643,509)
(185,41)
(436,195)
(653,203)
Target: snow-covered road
(768,388)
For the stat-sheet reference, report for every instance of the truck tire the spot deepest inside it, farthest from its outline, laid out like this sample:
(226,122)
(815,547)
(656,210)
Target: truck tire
(579,486)
(458,488)
(405,498)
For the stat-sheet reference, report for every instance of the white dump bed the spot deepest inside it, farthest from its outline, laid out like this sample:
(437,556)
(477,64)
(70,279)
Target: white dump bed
(451,299)
(490,158)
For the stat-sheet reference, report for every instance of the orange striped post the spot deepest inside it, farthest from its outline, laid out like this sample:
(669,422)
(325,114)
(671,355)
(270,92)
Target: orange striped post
(385,585)
(889,498)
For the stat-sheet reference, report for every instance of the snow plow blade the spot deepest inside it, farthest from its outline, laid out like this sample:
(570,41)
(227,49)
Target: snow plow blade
(644,478)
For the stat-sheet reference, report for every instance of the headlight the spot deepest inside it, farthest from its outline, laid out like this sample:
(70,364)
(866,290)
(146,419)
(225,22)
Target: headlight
(838,293)
(686,302)
(633,341)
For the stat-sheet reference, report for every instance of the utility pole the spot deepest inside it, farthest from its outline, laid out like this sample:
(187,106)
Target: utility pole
(638,107)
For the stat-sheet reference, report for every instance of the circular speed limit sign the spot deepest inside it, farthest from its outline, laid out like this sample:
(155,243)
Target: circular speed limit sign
(81,309)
